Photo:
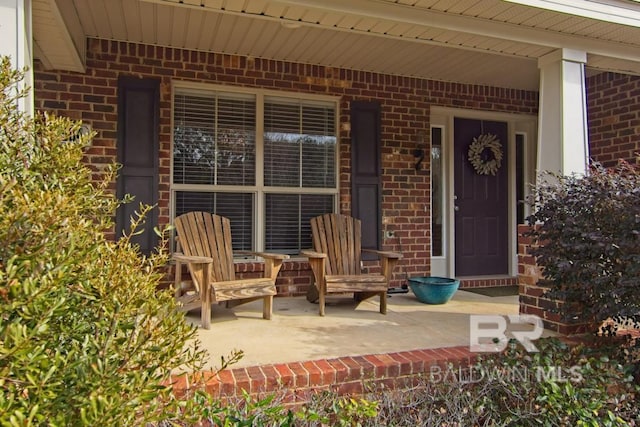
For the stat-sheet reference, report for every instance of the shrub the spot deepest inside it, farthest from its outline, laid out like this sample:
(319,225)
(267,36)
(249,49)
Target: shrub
(558,386)
(85,337)
(588,231)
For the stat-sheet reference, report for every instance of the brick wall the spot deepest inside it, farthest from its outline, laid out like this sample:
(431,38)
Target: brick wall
(532,299)
(613,108)
(405,104)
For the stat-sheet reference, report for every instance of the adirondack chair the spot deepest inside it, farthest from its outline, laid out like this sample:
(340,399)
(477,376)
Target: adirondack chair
(204,244)
(336,262)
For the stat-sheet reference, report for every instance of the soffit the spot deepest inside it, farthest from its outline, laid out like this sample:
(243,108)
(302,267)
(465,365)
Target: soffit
(488,42)
(54,43)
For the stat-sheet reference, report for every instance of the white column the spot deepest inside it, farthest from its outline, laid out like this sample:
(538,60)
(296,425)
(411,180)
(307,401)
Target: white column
(562,133)
(16,42)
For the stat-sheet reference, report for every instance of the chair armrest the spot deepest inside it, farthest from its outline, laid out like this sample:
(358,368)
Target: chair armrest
(388,261)
(312,254)
(201,288)
(192,259)
(384,254)
(265,255)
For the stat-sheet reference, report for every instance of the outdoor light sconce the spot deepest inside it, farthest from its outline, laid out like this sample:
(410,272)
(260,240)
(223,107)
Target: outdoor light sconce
(419,152)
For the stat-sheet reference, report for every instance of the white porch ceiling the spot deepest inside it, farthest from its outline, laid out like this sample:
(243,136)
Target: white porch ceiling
(487,42)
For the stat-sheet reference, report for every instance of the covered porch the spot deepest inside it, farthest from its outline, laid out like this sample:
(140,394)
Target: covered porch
(426,78)
(350,350)
(394,92)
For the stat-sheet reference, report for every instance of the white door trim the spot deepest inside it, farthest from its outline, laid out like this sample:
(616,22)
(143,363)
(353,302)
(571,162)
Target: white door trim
(516,123)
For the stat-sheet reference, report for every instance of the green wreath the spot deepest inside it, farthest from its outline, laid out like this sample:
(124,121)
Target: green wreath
(485,154)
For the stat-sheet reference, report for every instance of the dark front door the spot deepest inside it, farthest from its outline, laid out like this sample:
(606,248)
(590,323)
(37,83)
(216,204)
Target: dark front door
(481,202)
(138,111)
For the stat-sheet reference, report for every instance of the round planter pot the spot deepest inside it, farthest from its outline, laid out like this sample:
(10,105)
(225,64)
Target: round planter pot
(433,290)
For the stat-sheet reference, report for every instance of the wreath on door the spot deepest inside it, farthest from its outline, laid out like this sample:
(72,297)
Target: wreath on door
(485,154)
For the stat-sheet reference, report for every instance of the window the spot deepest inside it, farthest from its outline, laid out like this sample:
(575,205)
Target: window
(437,180)
(268,163)
(520,178)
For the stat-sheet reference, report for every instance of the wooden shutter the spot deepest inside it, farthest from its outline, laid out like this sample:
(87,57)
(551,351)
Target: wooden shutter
(366,171)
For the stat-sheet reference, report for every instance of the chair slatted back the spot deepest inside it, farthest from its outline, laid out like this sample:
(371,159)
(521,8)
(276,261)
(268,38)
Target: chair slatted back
(209,235)
(339,237)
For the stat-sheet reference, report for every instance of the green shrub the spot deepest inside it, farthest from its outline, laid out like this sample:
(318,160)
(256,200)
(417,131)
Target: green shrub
(558,386)
(85,337)
(245,412)
(588,229)
(326,408)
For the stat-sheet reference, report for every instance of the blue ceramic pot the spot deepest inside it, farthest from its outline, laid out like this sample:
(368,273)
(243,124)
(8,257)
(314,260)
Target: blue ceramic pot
(433,290)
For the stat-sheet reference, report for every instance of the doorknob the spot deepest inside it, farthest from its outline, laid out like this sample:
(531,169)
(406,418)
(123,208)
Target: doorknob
(456,208)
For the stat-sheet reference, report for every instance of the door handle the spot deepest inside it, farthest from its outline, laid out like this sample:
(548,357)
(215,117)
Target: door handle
(456,208)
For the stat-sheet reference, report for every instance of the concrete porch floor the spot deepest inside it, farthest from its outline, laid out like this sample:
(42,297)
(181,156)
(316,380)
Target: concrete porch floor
(297,333)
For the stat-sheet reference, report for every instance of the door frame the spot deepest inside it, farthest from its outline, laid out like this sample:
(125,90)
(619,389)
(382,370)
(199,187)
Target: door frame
(521,124)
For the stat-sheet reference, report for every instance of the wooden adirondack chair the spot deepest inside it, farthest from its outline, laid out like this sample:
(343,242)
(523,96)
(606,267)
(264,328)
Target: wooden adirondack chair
(205,241)
(336,261)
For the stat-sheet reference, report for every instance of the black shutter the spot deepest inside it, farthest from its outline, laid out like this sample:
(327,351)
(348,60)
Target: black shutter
(366,171)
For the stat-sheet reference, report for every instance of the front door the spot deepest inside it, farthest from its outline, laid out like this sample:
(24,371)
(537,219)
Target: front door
(481,198)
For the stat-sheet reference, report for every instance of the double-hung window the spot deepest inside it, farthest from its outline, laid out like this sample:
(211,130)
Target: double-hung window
(266,162)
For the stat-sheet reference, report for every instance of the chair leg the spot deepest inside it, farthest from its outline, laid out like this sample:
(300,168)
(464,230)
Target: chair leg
(383,302)
(205,313)
(205,296)
(267,307)
(321,302)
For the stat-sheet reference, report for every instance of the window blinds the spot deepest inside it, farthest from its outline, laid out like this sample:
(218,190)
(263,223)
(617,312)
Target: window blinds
(300,144)
(214,139)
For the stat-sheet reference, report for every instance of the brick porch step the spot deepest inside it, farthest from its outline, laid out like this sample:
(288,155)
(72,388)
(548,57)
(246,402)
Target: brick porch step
(343,375)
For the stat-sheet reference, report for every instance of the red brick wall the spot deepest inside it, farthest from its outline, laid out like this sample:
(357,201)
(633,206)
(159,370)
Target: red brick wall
(532,299)
(405,102)
(613,108)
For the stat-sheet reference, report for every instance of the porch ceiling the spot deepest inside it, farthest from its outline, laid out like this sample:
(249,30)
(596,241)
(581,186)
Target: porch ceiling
(488,42)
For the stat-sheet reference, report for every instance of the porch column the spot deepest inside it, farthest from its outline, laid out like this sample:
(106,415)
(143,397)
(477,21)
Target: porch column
(16,42)
(562,148)
(562,134)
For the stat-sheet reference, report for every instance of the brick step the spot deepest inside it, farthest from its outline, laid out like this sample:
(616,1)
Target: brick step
(343,375)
